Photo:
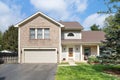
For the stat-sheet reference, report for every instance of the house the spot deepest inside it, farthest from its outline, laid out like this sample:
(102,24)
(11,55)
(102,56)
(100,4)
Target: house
(45,40)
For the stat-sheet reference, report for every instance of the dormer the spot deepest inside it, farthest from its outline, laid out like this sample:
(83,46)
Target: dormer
(71,30)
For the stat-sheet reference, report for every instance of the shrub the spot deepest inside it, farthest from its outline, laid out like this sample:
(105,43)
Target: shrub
(93,59)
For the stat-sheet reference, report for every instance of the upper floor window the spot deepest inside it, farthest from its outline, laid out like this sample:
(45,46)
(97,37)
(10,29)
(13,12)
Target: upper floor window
(32,33)
(46,33)
(70,34)
(39,33)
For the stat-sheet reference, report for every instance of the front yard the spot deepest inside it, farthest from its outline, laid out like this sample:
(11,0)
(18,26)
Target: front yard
(86,72)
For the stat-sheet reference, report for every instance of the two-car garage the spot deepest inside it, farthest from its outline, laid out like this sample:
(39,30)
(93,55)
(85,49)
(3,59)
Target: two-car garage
(40,55)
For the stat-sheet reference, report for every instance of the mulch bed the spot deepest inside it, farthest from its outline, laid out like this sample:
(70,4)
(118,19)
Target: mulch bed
(113,71)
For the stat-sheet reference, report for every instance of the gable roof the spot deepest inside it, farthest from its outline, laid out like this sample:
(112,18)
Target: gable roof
(71,25)
(39,13)
(93,36)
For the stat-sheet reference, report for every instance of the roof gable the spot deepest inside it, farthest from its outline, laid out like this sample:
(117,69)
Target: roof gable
(38,14)
(71,25)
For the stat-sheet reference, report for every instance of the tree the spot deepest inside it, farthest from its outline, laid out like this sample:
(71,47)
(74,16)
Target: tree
(111,46)
(10,39)
(111,51)
(0,40)
(108,21)
(95,27)
(113,6)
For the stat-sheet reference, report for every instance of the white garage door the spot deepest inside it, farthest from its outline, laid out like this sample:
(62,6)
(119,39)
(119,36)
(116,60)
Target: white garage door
(40,56)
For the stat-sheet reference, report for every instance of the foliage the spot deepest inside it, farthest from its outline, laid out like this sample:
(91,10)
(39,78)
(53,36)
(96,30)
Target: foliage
(0,40)
(85,72)
(10,39)
(112,6)
(108,21)
(111,46)
(95,27)
(111,50)
(92,59)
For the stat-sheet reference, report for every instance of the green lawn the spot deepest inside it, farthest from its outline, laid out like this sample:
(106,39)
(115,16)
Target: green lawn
(84,72)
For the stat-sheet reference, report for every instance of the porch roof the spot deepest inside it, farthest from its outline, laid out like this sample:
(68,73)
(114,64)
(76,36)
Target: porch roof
(93,36)
(77,41)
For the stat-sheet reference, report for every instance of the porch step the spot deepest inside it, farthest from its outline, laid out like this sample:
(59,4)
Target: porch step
(71,62)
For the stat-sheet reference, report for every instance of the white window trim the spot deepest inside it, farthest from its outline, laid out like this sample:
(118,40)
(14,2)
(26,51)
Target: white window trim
(47,33)
(35,33)
(71,36)
(43,35)
(30,33)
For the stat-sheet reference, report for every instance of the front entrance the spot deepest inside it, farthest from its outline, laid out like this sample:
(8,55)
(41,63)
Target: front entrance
(70,52)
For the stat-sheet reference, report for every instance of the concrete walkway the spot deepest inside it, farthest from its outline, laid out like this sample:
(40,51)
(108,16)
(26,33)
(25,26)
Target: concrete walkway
(72,62)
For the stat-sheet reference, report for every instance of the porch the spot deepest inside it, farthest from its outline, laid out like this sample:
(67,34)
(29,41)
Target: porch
(78,53)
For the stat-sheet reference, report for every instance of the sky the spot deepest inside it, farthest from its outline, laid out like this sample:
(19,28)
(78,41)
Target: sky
(83,11)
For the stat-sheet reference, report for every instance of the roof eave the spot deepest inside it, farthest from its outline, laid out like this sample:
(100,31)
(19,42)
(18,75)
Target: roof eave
(17,25)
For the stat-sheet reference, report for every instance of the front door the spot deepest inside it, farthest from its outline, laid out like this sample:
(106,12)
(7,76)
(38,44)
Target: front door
(70,52)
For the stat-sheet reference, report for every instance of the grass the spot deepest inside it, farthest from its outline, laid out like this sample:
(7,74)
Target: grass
(85,72)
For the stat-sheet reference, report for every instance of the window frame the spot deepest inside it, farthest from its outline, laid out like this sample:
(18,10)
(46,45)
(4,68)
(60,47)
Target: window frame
(48,33)
(41,33)
(32,34)
(36,34)
(69,34)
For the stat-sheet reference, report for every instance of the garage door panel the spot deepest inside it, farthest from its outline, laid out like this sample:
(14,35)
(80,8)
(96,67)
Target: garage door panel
(40,56)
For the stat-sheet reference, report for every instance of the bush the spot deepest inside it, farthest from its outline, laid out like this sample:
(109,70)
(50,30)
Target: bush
(93,59)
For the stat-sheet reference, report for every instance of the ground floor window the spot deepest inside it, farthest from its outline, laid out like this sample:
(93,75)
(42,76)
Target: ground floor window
(87,52)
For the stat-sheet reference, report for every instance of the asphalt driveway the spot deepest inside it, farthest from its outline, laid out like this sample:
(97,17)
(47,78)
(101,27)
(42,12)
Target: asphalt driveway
(28,71)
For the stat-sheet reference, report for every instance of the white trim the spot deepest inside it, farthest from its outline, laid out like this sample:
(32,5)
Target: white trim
(81,53)
(74,53)
(39,48)
(98,50)
(43,34)
(35,33)
(61,25)
(67,52)
(23,56)
(60,45)
(69,33)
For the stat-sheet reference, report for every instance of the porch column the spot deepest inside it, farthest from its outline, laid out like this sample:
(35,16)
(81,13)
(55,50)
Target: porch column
(59,56)
(81,51)
(98,50)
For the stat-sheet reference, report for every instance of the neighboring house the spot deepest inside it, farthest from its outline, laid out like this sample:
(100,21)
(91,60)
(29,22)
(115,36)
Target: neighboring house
(44,40)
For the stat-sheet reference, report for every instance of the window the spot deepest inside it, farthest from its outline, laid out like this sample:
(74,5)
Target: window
(32,33)
(46,33)
(77,48)
(63,48)
(39,33)
(70,34)
(87,53)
